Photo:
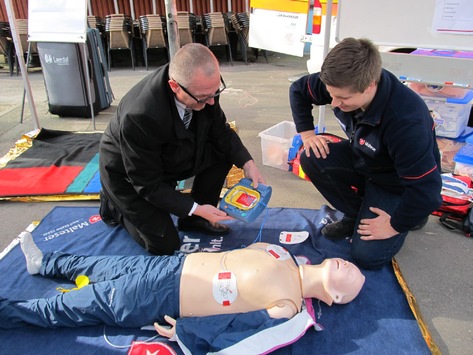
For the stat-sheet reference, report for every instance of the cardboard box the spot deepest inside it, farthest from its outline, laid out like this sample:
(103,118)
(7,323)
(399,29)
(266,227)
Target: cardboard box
(464,160)
(275,144)
(449,147)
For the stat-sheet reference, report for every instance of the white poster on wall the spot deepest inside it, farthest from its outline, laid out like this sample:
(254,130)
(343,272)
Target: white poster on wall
(454,16)
(277,31)
(57,21)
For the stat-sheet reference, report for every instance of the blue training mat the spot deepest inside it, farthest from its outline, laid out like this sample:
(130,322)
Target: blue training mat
(378,320)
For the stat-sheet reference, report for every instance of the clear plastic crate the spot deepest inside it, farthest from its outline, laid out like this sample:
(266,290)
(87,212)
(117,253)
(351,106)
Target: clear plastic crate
(275,144)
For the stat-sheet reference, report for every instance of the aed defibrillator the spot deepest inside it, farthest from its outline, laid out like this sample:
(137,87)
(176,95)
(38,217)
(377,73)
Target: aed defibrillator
(244,202)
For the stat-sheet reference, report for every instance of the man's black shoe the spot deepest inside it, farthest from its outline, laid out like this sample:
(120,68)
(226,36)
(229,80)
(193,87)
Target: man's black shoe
(421,224)
(105,211)
(109,221)
(201,225)
(339,230)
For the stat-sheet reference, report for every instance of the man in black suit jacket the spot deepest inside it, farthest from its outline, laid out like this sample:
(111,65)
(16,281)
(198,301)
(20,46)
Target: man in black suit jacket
(147,148)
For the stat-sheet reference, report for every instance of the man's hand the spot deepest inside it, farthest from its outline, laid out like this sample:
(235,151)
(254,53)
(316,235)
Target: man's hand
(251,172)
(318,144)
(167,332)
(377,228)
(211,213)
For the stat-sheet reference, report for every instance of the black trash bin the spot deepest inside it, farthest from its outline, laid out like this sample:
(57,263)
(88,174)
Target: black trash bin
(64,71)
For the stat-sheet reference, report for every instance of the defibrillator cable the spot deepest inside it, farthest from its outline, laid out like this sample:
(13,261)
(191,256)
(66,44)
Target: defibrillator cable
(260,233)
(105,337)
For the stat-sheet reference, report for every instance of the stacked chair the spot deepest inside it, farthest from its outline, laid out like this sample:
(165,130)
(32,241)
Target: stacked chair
(241,23)
(96,22)
(186,24)
(216,29)
(6,45)
(153,34)
(119,33)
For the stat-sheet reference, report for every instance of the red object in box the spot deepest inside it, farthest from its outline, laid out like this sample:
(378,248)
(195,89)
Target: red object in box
(296,162)
(296,166)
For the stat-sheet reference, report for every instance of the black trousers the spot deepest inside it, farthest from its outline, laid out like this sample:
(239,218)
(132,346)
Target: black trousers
(206,189)
(334,177)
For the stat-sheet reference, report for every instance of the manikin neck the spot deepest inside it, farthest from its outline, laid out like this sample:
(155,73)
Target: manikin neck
(312,283)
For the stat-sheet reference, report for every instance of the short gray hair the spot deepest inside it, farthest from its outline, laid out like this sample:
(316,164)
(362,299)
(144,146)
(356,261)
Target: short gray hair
(189,59)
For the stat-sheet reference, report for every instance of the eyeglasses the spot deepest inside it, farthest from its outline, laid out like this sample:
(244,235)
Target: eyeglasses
(203,101)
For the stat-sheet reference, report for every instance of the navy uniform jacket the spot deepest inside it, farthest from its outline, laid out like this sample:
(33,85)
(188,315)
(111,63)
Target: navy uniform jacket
(146,149)
(393,142)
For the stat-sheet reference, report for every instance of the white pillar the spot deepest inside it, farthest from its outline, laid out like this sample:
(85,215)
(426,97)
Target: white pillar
(132,7)
(21,63)
(89,7)
(328,24)
(173,33)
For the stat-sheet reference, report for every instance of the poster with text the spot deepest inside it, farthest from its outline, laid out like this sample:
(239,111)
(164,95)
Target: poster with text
(278,31)
(57,21)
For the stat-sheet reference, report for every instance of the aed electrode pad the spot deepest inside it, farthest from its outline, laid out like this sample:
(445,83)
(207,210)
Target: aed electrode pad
(224,288)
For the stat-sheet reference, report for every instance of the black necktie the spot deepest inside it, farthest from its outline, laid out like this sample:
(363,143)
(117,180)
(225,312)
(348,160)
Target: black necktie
(187,117)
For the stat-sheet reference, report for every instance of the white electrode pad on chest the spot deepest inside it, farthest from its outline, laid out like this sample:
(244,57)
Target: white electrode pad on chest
(278,252)
(224,288)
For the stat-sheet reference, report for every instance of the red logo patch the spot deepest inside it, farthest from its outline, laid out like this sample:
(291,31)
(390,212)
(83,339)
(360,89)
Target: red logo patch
(95,218)
(140,348)
(362,141)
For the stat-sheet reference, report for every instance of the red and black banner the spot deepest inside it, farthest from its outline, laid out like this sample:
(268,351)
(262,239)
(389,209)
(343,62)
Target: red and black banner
(56,163)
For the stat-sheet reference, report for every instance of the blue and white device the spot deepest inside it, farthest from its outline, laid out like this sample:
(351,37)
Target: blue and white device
(244,202)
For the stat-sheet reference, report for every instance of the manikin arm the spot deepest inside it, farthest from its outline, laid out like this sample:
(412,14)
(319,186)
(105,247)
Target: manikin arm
(284,309)
(167,332)
(220,332)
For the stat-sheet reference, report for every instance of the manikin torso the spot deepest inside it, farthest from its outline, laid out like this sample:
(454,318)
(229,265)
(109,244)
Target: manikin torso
(237,281)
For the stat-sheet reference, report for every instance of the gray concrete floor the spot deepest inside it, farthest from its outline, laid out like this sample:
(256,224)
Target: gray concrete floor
(436,263)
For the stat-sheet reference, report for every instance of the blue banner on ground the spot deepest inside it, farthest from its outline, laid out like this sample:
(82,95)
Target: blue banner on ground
(378,320)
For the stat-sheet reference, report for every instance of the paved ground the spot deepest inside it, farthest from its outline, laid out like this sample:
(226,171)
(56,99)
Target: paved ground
(436,263)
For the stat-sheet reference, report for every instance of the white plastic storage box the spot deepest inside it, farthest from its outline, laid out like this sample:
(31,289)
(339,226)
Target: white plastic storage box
(275,144)
(464,160)
(450,113)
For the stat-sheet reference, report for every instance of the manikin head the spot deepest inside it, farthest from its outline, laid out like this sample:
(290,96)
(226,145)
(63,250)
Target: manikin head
(342,280)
